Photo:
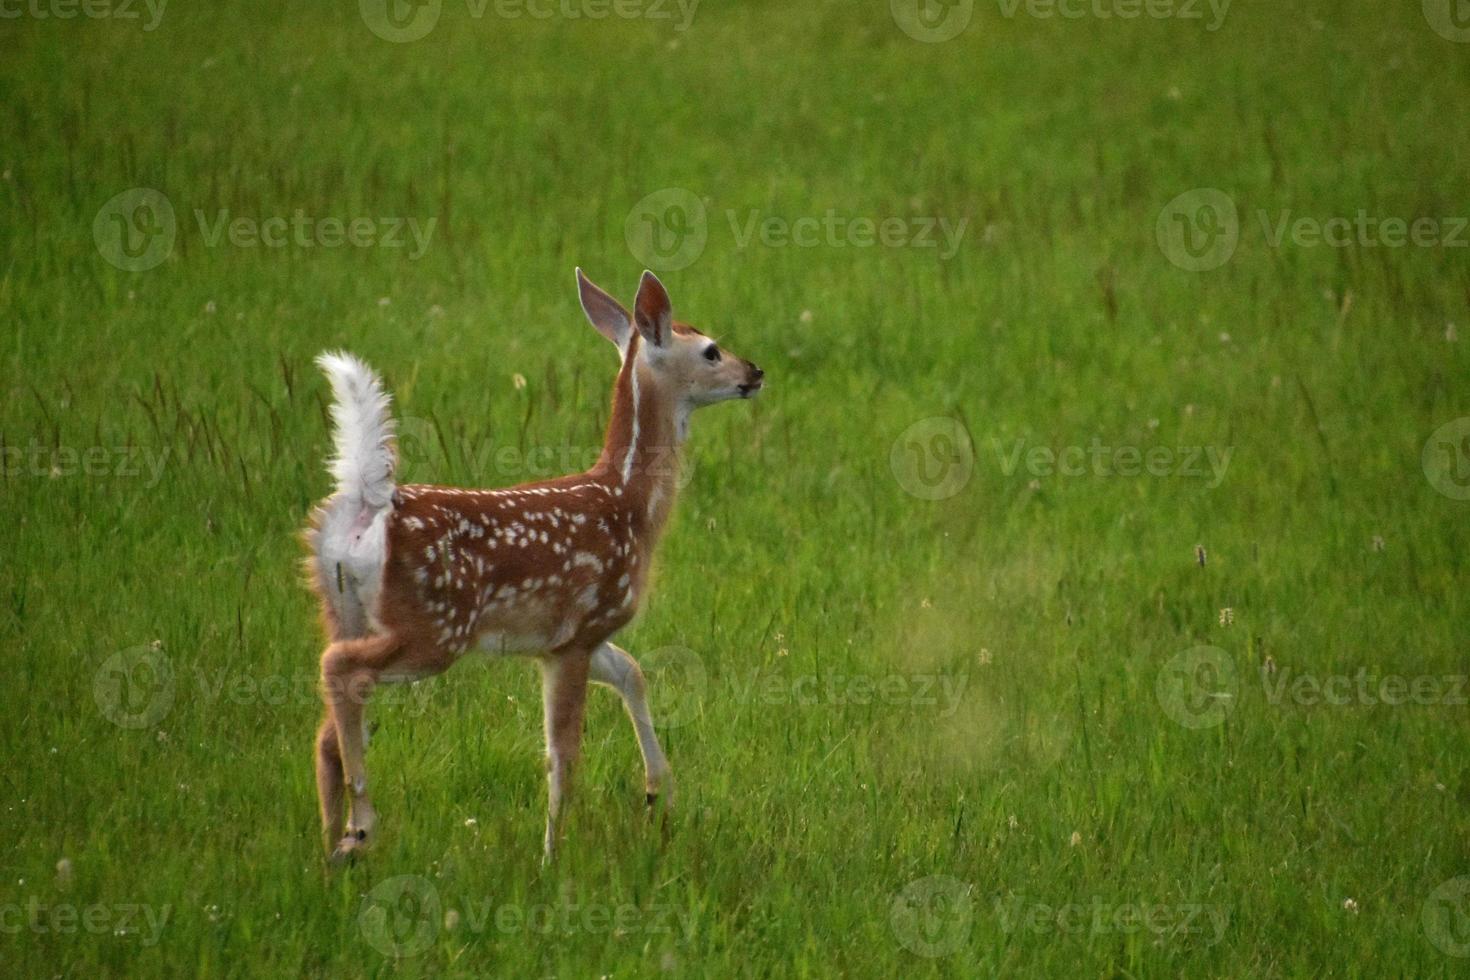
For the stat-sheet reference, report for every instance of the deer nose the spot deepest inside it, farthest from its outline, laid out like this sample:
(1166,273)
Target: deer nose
(756,373)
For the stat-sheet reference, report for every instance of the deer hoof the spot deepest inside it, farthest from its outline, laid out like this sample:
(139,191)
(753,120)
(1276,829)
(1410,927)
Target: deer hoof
(349,847)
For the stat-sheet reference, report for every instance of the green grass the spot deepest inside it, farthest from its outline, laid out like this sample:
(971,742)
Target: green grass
(1050,781)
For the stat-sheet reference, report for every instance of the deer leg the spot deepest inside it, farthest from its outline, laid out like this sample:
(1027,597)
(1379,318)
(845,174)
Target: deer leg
(329,785)
(564,697)
(350,669)
(615,667)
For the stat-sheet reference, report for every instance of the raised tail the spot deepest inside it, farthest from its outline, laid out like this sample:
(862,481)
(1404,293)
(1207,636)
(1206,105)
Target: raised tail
(365,456)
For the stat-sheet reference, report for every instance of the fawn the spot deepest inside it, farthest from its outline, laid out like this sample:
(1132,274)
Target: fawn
(412,577)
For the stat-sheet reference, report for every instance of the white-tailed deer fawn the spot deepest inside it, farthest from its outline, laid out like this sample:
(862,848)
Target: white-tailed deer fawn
(412,577)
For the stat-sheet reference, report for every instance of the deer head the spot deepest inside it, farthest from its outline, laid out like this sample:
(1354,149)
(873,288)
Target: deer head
(685,368)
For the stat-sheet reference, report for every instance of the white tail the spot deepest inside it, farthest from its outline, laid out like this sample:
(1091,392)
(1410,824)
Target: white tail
(348,538)
(364,460)
(412,577)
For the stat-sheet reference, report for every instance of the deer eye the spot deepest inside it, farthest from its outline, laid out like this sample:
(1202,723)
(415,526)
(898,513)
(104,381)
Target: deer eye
(712,353)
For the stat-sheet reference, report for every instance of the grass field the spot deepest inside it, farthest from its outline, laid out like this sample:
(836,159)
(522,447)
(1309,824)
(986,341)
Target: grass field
(1086,595)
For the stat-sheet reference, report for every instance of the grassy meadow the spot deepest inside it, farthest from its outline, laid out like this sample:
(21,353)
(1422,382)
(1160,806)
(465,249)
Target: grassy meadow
(1086,594)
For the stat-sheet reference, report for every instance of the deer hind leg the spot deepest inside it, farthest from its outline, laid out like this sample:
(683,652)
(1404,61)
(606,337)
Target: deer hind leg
(615,667)
(329,779)
(350,670)
(564,698)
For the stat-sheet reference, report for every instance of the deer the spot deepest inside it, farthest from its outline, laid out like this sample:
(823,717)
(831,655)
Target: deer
(411,578)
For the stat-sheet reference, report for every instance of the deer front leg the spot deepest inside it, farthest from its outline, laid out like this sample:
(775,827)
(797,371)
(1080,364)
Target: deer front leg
(564,698)
(350,669)
(615,667)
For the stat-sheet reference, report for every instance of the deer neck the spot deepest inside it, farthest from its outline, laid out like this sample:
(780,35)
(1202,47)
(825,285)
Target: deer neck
(640,454)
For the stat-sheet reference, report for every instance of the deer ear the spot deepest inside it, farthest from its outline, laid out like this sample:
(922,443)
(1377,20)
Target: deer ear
(652,311)
(604,312)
